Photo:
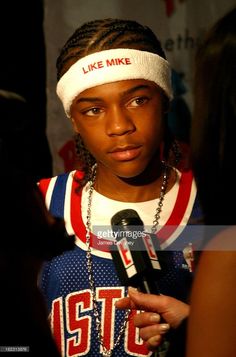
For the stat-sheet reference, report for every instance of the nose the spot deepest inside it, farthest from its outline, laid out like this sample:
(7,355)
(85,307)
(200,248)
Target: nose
(119,122)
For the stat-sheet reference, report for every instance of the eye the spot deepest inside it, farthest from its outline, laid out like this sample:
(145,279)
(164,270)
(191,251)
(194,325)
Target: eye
(137,102)
(92,111)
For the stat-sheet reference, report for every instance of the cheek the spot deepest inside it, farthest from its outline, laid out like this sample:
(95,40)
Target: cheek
(153,131)
(154,139)
(93,141)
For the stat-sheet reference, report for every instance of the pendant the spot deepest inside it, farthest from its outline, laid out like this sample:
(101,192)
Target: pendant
(107,353)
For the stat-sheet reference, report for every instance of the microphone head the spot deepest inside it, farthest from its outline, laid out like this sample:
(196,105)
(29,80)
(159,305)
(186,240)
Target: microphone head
(126,217)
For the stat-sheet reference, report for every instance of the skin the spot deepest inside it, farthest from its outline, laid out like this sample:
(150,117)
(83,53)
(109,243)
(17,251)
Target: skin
(121,124)
(160,312)
(213,300)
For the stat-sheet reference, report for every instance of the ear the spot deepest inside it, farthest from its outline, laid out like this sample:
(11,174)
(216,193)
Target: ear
(74,125)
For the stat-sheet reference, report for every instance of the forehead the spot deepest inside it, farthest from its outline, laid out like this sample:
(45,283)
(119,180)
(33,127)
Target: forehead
(122,87)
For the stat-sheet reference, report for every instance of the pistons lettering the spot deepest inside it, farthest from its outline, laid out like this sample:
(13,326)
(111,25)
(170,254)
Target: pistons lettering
(72,323)
(107,63)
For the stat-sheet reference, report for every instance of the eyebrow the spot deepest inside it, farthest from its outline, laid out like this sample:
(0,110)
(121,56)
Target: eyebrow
(134,89)
(90,99)
(123,94)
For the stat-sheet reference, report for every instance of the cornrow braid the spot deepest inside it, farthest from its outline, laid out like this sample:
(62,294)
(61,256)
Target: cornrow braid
(98,35)
(105,34)
(85,160)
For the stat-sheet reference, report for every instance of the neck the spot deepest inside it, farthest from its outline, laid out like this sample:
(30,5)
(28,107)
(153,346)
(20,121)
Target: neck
(145,187)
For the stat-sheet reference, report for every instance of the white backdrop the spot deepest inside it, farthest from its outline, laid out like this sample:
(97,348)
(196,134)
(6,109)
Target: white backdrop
(179,24)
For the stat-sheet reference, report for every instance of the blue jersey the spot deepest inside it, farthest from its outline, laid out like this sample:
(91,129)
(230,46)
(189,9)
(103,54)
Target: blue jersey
(65,280)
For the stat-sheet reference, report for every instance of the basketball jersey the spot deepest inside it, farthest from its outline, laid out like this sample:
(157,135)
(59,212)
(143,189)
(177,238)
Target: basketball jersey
(65,280)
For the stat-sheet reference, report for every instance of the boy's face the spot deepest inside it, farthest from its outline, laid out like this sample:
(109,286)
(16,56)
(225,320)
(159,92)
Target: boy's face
(121,125)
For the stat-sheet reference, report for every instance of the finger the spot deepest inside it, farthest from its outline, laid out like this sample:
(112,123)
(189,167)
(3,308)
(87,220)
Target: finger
(153,342)
(146,318)
(148,302)
(153,330)
(125,303)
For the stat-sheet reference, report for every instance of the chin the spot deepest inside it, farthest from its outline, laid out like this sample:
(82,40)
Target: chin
(130,172)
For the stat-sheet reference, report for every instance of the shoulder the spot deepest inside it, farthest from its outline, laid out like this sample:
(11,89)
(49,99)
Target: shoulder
(213,298)
(59,181)
(224,241)
(188,186)
(218,258)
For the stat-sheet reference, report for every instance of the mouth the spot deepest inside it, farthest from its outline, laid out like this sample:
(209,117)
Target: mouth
(125,153)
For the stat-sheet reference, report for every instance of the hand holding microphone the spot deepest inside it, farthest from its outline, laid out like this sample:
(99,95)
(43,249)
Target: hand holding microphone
(140,265)
(136,256)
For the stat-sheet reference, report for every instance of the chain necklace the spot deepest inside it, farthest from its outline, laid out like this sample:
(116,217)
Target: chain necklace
(106,352)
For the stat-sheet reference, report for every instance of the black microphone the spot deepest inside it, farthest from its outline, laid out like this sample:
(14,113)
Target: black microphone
(135,252)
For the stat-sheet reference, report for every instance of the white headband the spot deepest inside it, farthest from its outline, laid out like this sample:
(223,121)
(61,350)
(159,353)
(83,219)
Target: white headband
(111,66)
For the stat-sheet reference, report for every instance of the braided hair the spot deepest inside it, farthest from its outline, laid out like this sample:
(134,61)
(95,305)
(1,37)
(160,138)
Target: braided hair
(99,35)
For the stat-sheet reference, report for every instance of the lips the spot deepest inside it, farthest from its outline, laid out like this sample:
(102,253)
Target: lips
(125,153)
